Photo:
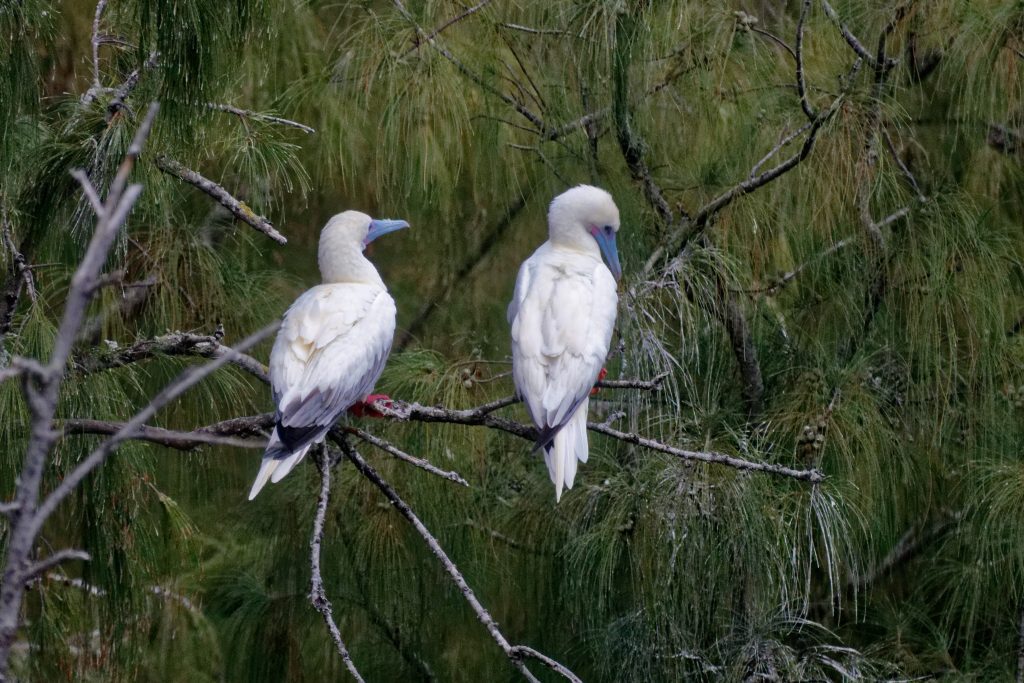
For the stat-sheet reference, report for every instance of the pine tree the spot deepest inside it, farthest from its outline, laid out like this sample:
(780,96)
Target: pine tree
(822,205)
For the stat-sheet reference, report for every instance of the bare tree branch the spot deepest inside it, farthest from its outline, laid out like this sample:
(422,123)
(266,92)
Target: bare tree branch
(317,593)
(524,651)
(781,281)
(185,381)
(801,86)
(123,91)
(182,441)
(100,6)
(813,476)
(42,566)
(776,39)
(533,118)
(246,114)
(403,509)
(851,39)
(454,20)
(391,449)
(42,388)
(630,143)
(171,344)
(238,208)
(19,277)
(678,241)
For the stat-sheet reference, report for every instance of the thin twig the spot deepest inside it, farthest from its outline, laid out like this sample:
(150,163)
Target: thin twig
(630,143)
(122,92)
(454,20)
(238,208)
(182,441)
(851,39)
(524,651)
(533,118)
(100,6)
(678,241)
(59,557)
(801,86)
(41,388)
(317,593)
(259,116)
(777,148)
(391,449)
(813,476)
(171,344)
(775,38)
(911,180)
(453,571)
(784,279)
(185,381)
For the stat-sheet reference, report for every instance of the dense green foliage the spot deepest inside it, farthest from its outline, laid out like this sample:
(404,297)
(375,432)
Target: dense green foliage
(892,364)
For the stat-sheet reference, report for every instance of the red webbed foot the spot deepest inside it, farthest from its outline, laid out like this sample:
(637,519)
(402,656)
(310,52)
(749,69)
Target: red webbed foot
(366,407)
(600,376)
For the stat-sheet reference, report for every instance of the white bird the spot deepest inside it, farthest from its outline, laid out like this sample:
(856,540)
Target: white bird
(332,345)
(562,316)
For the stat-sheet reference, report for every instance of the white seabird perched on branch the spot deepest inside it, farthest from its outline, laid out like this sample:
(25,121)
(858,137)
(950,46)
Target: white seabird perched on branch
(332,345)
(562,316)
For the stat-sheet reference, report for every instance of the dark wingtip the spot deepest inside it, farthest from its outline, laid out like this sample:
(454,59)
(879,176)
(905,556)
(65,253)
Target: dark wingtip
(544,439)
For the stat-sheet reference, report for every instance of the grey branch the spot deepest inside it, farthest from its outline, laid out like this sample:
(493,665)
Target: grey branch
(100,6)
(391,449)
(403,509)
(814,476)
(681,237)
(122,92)
(524,651)
(317,593)
(246,114)
(630,142)
(533,118)
(851,39)
(238,208)
(781,281)
(57,558)
(172,344)
(19,277)
(801,86)
(41,388)
(185,381)
(182,441)
(454,20)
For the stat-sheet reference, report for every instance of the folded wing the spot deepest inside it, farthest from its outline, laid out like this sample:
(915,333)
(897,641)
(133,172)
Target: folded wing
(562,316)
(330,351)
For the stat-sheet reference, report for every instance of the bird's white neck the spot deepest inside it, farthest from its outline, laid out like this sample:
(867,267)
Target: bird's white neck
(581,244)
(341,260)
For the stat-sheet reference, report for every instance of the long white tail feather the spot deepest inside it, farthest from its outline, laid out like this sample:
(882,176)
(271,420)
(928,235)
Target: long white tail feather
(277,462)
(568,447)
(267,468)
(288,463)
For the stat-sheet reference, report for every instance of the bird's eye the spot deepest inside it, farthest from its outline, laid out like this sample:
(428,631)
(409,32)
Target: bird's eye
(608,230)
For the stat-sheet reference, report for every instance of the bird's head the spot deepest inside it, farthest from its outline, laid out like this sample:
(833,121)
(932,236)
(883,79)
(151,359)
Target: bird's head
(345,236)
(585,217)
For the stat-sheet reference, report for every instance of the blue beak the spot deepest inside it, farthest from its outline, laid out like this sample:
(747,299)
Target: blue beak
(383,226)
(606,241)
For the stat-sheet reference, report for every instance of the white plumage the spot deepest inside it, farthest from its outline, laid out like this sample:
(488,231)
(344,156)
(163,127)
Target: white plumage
(562,316)
(332,345)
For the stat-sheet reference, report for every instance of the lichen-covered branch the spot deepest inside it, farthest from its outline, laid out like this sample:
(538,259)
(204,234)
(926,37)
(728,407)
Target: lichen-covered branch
(238,208)
(317,592)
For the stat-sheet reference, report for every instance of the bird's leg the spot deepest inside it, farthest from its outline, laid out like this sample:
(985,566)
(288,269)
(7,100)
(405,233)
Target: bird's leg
(600,376)
(365,408)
